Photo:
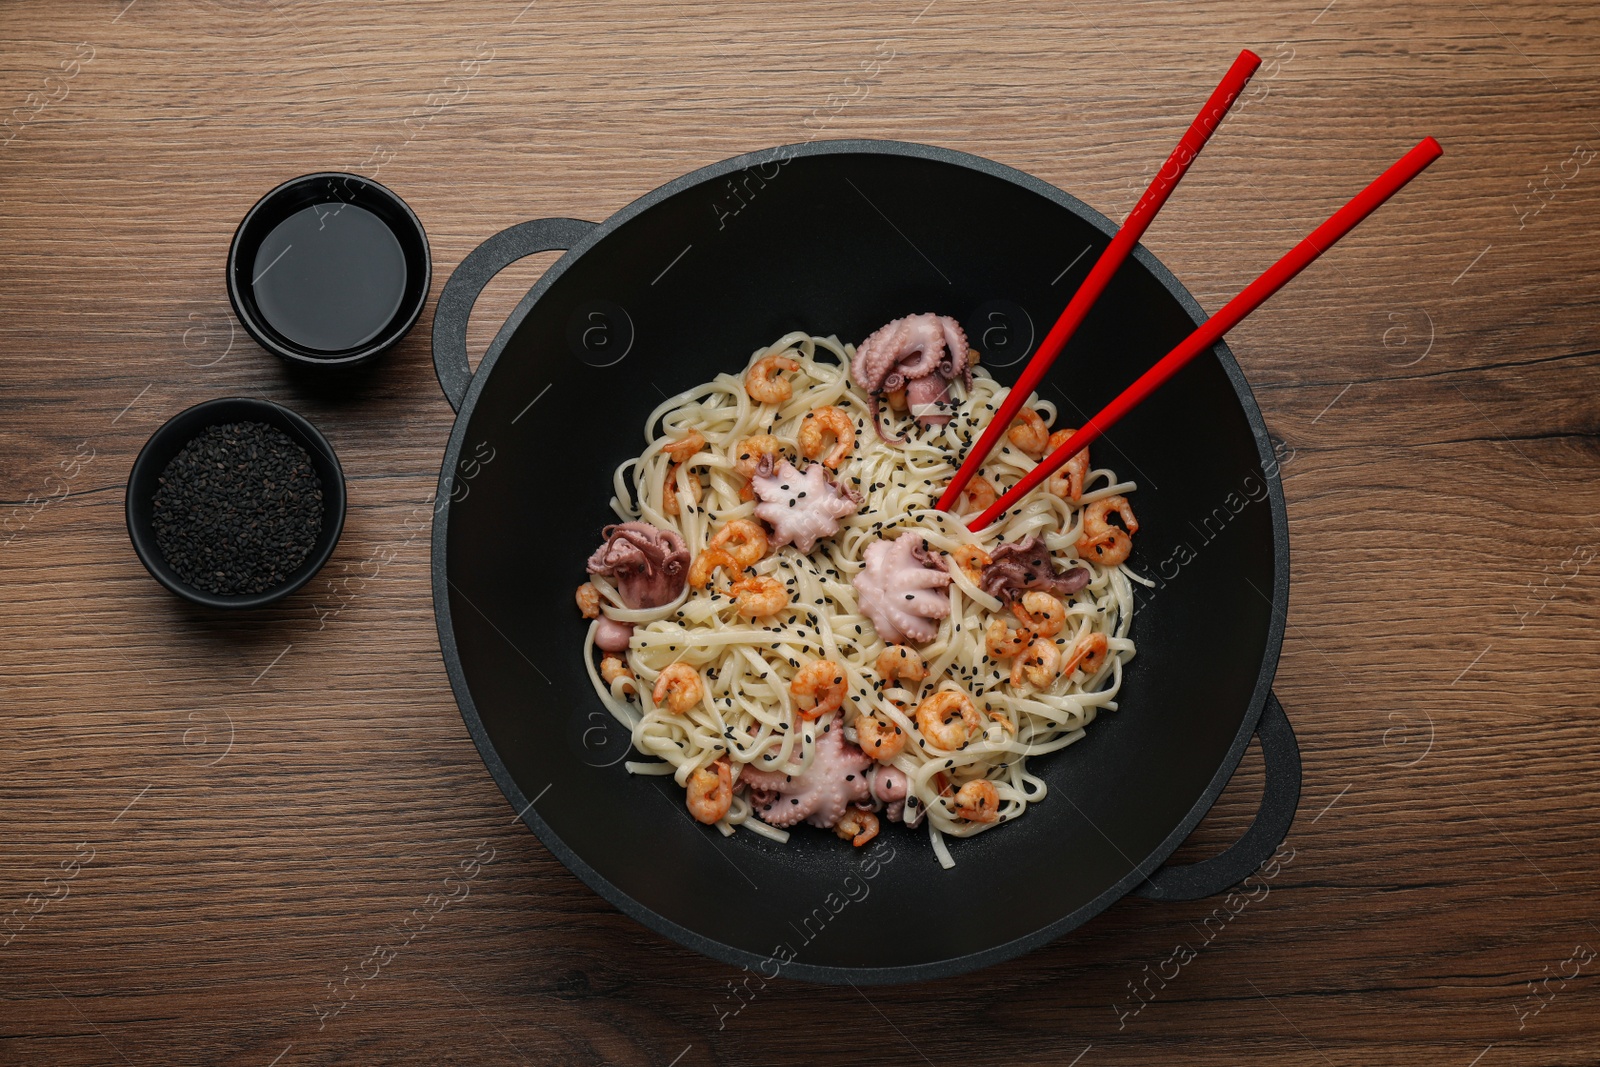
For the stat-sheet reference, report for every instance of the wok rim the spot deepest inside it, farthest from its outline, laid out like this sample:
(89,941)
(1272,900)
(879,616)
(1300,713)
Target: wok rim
(828,974)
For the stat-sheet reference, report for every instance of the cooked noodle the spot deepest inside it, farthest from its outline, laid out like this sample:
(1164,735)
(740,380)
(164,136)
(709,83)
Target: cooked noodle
(746,665)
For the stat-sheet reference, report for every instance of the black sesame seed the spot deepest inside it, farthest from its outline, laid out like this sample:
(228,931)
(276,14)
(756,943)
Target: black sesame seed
(238,508)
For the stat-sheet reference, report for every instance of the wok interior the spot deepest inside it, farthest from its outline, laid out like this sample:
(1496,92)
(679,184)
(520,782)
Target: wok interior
(811,249)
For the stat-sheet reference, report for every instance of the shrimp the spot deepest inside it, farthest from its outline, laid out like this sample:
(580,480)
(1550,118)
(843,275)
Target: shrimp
(978,801)
(857,826)
(670,503)
(979,495)
(1029,433)
(612,668)
(748,458)
(1041,612)
(879,738)
(751,449)
(1105,543)
(686,446)
(821,422)
(1000,640)
(706,563)
(710,791)
(680,687)
(758,597)
(899,661)
(589,600)
(744,541)
(1039,665)
(946,717)
(1089,653)
(762,381)
(823,681)
(679,452)
(971,559)
(1067,481)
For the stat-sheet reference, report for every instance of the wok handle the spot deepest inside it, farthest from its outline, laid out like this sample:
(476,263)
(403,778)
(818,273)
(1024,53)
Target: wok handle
(1192,881)
(454,308)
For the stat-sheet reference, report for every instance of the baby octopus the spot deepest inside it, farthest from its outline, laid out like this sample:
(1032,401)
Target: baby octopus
(648,565)
(609,634)
(889,787)
(921,354)
(902,589)
(1026,564)
(822,795)
(801,508)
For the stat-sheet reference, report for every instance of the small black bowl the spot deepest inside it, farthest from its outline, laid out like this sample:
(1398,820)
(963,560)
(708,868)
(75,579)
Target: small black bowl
(168,441)
(329,270)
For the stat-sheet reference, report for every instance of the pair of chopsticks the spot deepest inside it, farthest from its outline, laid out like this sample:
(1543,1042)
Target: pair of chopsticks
(1253,296)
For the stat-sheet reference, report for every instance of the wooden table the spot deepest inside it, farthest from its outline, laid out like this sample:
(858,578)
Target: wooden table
(209,822)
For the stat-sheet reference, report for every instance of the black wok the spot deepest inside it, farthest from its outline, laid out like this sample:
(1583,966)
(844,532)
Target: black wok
(839,237)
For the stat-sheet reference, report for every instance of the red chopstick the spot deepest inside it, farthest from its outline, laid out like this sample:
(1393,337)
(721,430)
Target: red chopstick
(1143,213)
(1254,295)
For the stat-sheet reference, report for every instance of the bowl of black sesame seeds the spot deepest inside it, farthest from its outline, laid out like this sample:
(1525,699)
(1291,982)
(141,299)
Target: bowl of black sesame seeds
(235,503)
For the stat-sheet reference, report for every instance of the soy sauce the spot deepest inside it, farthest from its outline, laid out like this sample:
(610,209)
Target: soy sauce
(330,277)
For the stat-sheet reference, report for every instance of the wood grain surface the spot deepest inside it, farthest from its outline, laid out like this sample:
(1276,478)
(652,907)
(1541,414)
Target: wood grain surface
(208,822)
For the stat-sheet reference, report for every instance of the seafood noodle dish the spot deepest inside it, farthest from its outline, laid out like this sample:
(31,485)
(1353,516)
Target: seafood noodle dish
(794,632)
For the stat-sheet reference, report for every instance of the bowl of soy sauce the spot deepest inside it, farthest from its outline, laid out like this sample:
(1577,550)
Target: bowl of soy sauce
(329,270)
